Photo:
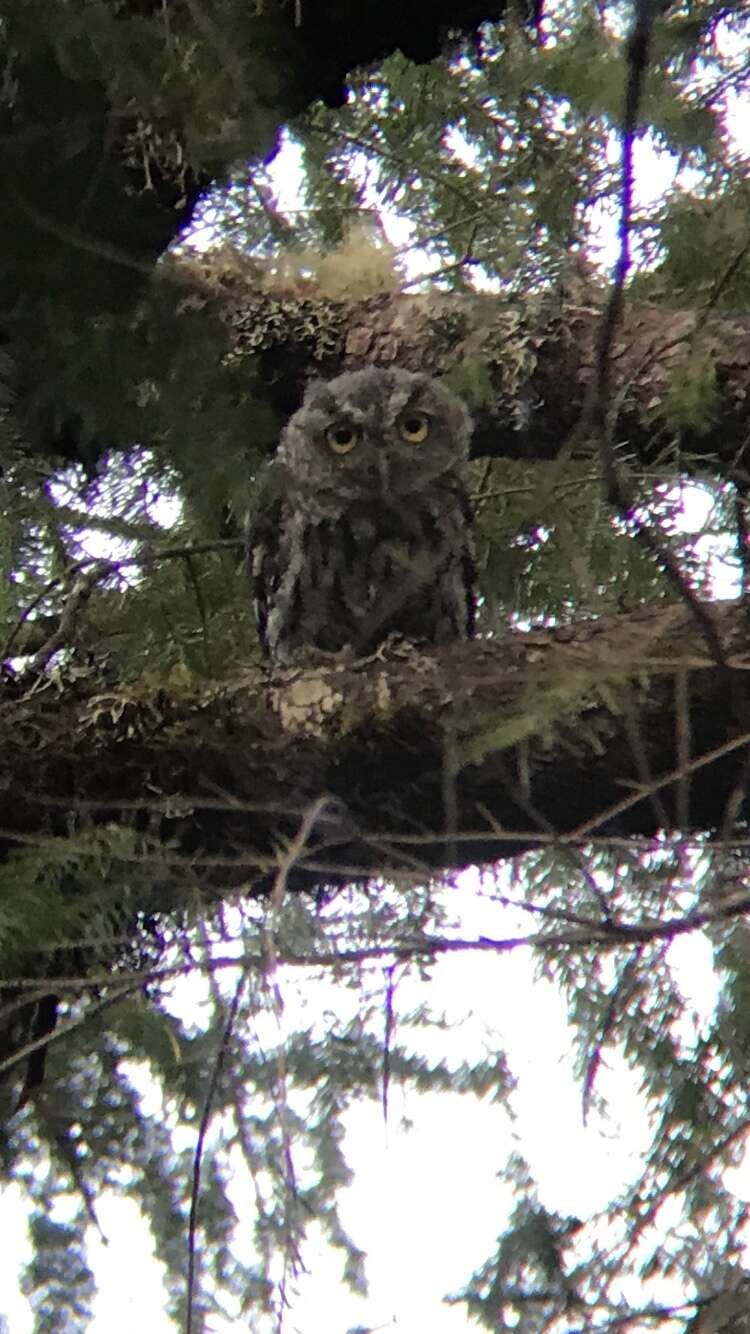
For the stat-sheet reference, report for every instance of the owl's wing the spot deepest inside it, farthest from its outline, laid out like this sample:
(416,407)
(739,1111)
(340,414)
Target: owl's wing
(262,529)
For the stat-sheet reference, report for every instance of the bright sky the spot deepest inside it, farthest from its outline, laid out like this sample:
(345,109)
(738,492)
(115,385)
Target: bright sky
(426,1204)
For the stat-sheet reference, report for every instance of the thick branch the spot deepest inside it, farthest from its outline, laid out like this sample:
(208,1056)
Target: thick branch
(432,760)
(535,374)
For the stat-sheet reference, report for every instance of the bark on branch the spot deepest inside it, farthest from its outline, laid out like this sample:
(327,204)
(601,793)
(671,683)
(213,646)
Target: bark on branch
(680,380)
(432,761)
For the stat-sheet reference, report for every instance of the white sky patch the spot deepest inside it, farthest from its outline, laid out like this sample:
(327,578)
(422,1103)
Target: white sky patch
(737,120)
(695,509)
(691,964)
(286,174)
(154,506)
(130,1276)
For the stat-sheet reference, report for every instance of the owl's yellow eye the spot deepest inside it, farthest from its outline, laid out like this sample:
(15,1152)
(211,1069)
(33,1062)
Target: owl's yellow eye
(341,438)
(414,427)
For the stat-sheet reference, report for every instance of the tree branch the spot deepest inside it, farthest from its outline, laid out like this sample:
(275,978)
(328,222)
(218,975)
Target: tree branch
(212,781)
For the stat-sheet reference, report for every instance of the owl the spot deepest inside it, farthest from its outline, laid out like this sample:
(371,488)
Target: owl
(369,535)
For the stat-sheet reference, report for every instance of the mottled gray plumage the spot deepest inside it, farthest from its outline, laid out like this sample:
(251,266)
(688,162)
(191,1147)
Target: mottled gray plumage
(369,535)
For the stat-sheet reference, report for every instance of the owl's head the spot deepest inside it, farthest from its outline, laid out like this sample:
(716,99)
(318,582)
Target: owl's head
(375,433)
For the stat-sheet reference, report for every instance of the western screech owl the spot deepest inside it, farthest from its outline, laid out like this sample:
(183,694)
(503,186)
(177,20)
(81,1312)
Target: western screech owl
(369,535)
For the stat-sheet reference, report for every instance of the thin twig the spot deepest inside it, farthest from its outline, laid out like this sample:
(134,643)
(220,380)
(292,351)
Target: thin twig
(103,567)
(200,1144)
(49,1114)
(291,856)
(387,1037)
(131,983)
(683,746)
(634,735)
(77,240)
(673,776)
(77,597)
(608,935)
(618,999)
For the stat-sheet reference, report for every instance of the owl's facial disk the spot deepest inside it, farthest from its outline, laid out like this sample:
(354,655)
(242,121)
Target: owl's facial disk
(375,433)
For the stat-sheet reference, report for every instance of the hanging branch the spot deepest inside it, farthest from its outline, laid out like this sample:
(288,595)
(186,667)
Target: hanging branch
(205,1120)
(619,489)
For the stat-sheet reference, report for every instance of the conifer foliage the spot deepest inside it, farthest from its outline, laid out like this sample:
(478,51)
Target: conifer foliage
(210,951)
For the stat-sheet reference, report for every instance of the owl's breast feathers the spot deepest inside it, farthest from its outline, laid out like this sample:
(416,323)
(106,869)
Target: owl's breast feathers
(353,578)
